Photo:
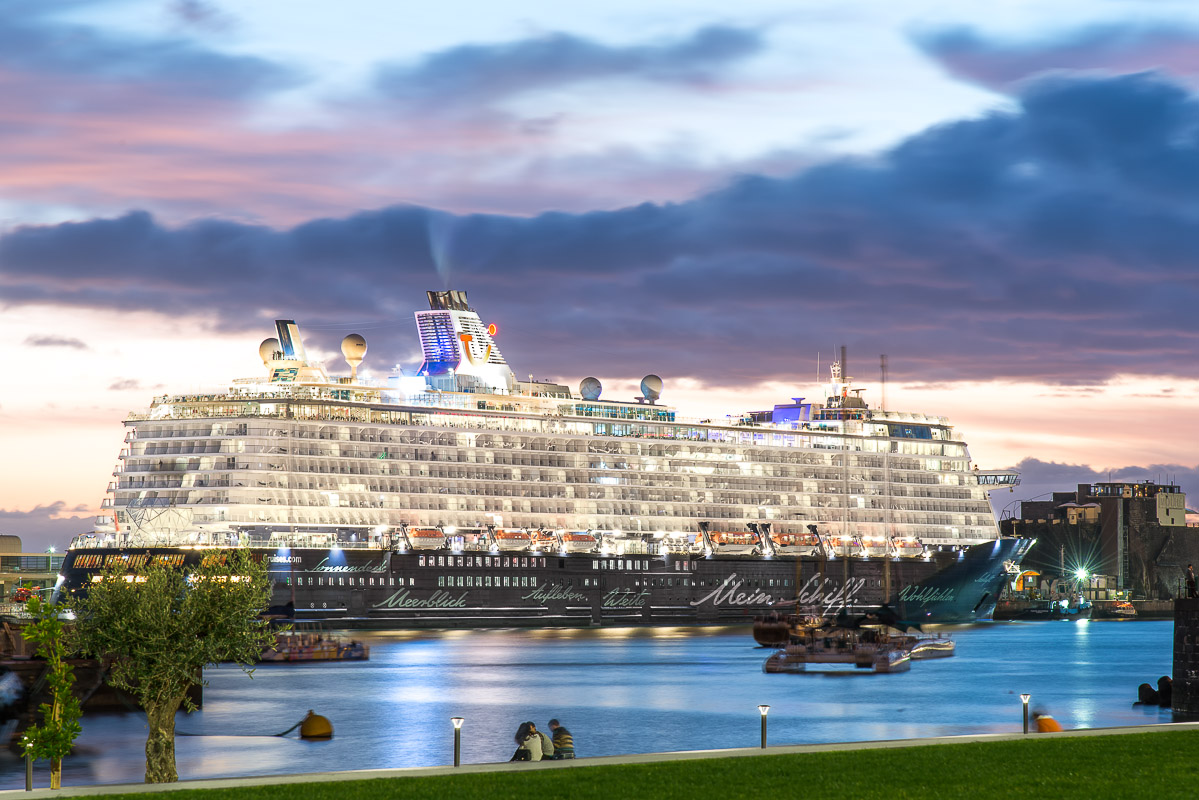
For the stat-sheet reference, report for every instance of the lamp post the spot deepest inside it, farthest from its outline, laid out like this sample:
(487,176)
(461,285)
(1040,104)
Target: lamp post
(1024,698)
(763,709)
(458,740)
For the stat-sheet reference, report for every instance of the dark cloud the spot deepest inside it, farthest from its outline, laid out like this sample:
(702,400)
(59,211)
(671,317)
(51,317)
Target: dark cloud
(125,384)
(1039,478)
(997,64)
(200,15)
(66,67)
(1054,242)
(471,75)
(46,526)
(55,341)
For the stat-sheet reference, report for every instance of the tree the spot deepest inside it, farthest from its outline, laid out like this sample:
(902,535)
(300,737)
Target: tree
(159,625)
(60,717)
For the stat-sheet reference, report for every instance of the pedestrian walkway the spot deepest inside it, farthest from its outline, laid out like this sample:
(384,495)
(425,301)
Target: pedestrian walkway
(641,758)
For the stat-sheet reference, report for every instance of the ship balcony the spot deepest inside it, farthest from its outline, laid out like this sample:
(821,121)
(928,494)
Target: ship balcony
(107,502)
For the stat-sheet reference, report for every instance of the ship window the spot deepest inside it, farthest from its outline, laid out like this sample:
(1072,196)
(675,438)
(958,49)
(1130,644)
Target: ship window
(470,581)
(595,565)
(362,581)
(341,581)
(320,581)
(441,561)
(524,563)
(478,561)
(459,560)
(459,580)
(505,580)
(411,581)
(440,581)
(420,561)
(486,580)
(487,561)
(372,581)
(562,563)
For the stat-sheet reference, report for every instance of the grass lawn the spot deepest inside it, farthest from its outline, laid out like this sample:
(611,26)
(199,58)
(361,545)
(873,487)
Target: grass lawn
(1147,765)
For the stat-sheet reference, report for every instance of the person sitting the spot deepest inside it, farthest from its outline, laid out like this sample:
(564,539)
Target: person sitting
(547,744)
(564,743)
(528,744)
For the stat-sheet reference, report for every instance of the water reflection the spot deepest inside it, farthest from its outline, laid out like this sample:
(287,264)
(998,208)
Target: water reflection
(693,688)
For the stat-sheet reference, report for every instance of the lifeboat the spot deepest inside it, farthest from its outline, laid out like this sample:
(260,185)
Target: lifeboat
(908,548)
(544,540)
(796,544)
(875,547)
(511,540)
(844,547)
(735,542)
(578,542)
(426,538)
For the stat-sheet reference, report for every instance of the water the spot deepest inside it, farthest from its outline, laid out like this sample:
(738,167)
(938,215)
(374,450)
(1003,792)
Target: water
(624,691)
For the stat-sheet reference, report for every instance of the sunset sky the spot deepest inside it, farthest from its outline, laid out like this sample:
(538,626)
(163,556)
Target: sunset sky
(1002,197)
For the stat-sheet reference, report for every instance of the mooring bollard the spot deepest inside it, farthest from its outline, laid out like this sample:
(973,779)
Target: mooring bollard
(457,740)
(763,709)
(1024,698)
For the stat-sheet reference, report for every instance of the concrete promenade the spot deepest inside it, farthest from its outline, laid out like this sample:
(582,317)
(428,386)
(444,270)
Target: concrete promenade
(42,776)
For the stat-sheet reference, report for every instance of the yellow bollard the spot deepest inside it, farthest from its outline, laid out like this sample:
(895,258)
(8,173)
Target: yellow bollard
(315,726)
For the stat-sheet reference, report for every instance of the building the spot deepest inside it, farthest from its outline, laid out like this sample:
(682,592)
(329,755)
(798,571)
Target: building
(17,568)
(1124,536)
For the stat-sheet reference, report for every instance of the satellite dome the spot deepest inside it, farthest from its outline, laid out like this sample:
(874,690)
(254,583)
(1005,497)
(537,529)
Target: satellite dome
(590,388)
(353,347)
(651,387)
(268,348)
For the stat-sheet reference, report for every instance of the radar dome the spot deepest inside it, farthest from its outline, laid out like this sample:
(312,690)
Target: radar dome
(590,388)
(353,347)
(268,348)
(651,387)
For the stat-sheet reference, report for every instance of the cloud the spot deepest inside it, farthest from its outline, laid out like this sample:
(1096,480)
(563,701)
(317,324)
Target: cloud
(200,15)
(468,76)
(125,384)
(997,64)
(55,341)
(44,526)
(1054,242)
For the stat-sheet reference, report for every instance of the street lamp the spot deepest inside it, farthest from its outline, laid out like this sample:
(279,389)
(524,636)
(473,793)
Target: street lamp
(458,740)
(1024,698)
(763,709)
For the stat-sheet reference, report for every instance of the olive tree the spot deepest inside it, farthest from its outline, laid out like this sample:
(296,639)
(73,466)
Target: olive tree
(60,717)
(159,624)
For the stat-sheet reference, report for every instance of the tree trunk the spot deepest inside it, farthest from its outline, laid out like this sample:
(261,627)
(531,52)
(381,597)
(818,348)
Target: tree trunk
(56,773)
(160,744)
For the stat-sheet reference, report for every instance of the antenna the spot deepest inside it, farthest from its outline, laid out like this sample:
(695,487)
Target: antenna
(844,362)
(882,365)
(818,366)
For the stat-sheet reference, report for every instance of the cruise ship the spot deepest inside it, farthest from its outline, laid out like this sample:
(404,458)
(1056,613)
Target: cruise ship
(455,495)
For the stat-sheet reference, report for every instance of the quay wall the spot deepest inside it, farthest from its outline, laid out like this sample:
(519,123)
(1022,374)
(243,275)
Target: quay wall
(1186,657)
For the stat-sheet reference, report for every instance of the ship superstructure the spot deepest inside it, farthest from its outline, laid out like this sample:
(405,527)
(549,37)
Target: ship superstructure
(460,456)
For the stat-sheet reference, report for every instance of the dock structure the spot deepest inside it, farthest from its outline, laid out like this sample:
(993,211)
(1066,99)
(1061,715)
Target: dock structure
(1185,699)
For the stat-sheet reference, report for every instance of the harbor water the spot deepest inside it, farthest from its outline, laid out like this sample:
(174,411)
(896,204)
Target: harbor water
(623,691)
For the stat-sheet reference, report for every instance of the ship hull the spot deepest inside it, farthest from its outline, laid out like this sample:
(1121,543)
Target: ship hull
(476,589)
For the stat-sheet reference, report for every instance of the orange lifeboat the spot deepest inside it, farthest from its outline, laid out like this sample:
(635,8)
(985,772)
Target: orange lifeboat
(908,548)
(511,540)
(735,542)
(796,544)
(575,542)
(426,538)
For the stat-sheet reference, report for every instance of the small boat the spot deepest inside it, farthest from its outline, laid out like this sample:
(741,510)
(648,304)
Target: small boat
(1121,609)
(870,649)
(544,541)
(309,645)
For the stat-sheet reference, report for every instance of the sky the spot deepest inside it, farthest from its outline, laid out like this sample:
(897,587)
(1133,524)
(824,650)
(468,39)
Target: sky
(1003,198)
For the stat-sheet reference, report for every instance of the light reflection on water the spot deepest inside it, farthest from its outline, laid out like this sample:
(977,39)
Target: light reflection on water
(620,690)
